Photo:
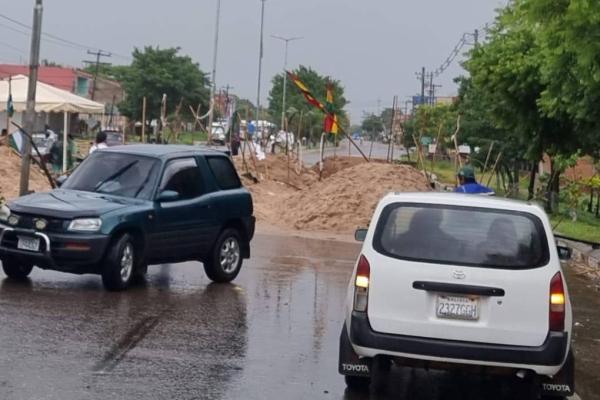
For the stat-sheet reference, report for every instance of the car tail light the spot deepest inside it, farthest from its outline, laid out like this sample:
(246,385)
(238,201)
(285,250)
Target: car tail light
(557,303)
(361,284)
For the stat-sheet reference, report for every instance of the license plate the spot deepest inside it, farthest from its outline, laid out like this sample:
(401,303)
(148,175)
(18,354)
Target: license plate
(458,307)
(28,243)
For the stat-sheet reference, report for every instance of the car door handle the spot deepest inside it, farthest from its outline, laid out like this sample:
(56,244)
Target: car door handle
(455,288)
(205,206)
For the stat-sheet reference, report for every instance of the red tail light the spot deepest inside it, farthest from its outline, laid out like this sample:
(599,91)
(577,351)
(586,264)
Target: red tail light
(361,284)
(363,272)
(557,303)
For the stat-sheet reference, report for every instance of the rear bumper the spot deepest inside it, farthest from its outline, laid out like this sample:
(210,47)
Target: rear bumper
(551,353)
(77,253)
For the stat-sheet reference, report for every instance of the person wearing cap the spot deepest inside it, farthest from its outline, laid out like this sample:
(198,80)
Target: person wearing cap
(468,184)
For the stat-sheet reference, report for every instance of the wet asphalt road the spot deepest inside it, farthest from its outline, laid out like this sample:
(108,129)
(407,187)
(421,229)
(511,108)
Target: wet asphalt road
(271,335)
(379,151)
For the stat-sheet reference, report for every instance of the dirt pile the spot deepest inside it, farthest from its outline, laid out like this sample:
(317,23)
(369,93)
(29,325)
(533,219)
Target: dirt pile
(347,199)
(331,165)
(275,168)
(343,200)
(10,172)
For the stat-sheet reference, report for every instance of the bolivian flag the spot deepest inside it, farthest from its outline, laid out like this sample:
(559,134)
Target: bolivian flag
(307,94)
(331,120)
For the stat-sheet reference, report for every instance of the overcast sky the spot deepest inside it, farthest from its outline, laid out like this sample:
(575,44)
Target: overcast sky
(374,47)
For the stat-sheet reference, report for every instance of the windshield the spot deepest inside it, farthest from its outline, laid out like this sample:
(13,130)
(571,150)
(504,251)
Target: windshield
(462,235)
(117,174)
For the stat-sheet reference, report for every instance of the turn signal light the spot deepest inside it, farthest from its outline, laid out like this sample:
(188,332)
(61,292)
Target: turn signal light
(557,303)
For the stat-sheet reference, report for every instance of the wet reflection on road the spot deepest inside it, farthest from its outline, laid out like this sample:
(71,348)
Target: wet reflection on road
(271,335)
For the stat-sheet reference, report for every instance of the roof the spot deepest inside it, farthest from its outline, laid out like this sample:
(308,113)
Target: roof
(60,77)
(47,98)
(163,150)
(465,200)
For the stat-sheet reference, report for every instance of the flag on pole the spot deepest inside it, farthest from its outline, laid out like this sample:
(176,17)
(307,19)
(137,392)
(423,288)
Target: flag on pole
(10,107)
(331,121)
(307,94)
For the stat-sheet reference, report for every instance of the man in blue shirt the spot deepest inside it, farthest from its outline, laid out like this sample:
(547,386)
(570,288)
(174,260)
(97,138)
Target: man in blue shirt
(468,184)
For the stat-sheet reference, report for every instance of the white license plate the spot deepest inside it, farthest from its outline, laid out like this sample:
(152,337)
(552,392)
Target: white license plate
(28,243)
(457,307)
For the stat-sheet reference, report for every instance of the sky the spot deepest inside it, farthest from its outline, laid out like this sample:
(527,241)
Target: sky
(373,47)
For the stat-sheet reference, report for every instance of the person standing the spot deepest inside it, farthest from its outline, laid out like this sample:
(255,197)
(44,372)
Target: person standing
(468,183)
(100,142)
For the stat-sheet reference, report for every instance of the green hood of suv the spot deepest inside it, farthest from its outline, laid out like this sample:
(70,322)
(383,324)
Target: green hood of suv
(64,203)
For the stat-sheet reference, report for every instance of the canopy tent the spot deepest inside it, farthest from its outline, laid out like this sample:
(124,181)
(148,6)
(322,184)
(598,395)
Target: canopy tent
(48,99)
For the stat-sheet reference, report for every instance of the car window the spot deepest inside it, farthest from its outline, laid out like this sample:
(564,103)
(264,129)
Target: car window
(115,173)
(462,235)
(183,176)
(224,172)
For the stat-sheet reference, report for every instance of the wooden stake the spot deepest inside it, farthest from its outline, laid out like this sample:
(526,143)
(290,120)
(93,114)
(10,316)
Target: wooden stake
(487,159)
(494,168)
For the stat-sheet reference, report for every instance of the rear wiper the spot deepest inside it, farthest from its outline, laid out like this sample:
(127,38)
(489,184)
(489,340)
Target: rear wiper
(115,175)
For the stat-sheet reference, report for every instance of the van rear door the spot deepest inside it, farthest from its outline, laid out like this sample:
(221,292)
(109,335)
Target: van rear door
(460,273)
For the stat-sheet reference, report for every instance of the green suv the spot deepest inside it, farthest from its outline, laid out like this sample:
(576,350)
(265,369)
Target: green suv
(130,206)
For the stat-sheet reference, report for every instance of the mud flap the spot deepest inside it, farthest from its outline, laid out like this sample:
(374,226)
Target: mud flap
(563,383)
(349,362)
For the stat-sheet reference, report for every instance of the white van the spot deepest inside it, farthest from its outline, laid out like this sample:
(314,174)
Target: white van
(452,280)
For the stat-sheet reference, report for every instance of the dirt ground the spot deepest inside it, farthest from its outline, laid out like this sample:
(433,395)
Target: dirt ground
(10,171)
(343,200)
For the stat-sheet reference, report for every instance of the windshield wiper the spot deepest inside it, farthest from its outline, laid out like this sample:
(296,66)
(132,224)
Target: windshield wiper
(143,184)
(115,175)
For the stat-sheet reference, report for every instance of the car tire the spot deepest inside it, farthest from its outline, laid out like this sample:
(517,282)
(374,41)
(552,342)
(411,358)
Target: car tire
(120,264)
(16,270)
(357,383)
(225,261)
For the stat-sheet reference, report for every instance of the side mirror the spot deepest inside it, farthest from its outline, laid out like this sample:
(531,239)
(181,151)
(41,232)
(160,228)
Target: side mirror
(167,196)
(61,180)
(564,253)
(360,235)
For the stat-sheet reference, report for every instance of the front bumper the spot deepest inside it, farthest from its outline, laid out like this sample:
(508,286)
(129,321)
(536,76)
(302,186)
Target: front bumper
(551,353)
(68,252)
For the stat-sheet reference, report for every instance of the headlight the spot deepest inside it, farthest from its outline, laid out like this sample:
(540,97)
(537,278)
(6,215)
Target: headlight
(85,225)
(4,213)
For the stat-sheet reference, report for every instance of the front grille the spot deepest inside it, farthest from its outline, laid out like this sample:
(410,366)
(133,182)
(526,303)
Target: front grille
(27,221)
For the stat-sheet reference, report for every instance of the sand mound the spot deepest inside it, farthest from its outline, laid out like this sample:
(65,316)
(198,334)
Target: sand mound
(275,168)
(347,199)
(331,165)
(10,172)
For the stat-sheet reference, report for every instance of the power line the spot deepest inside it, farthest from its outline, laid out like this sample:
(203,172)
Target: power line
(57,39)
(467,39)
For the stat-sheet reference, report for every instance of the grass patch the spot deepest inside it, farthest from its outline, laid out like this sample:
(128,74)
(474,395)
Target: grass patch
(587,226)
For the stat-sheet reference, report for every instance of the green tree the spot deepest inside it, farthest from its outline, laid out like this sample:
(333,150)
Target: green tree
(372,125)
(507,76)
(312,124)
(155,72)
(566,33)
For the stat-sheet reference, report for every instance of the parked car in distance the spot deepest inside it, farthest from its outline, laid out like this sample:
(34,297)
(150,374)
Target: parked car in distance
(114,138)
(130,206)
(456,281)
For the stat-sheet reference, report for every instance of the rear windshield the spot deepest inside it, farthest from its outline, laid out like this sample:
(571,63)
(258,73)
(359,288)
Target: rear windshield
(462,235)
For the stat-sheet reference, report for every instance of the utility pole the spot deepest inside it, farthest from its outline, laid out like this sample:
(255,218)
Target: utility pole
(98,54)
(30,115)
(213,86)
(260,57)
(476,37)
(431,89)
(421,76)
(287,41)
